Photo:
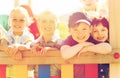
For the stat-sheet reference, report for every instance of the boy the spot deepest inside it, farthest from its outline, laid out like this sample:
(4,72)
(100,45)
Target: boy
(79,28)
(47,23)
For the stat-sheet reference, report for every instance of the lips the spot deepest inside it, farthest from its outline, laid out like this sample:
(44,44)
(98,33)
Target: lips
(81,38)
(17,26)
(47,29)
(100,38)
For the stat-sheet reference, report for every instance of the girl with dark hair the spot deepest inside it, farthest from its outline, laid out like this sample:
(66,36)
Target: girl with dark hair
(100,34)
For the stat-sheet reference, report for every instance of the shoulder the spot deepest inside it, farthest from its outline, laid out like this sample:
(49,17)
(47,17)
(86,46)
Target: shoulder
(69,41)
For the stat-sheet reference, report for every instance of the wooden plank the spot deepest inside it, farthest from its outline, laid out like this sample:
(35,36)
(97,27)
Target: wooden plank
(49,59)
(114,34)
(9,71)
(2,71)
(67,71)
(29,53)
(114,70)
(20,71)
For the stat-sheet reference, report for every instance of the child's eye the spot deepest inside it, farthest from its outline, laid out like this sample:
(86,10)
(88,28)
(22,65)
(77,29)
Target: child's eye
(14,19)
(52,21)
(22,20)
(95,31)
(44,21)
(103,29)
(84,29)
(75,30)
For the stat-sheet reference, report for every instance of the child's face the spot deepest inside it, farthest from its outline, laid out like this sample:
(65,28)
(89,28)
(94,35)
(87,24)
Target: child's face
(99,33)
(47,24)
(89,3)
(81,32)
(18,21)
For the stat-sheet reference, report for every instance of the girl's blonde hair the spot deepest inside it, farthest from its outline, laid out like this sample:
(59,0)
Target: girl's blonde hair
(22,10)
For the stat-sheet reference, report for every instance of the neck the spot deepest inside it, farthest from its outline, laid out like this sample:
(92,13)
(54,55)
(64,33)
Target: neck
(47,38)
(18,33)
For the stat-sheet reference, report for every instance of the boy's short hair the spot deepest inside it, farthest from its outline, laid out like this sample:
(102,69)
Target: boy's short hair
(77,18)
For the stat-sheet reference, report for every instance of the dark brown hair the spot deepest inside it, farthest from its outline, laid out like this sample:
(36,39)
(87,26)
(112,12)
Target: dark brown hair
(103,21)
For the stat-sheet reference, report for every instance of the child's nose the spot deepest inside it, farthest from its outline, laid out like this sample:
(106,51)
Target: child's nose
(100,33)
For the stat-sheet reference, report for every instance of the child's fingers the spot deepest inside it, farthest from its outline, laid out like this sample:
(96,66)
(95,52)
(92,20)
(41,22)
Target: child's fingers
(17,56)
(11,51)
(44,51)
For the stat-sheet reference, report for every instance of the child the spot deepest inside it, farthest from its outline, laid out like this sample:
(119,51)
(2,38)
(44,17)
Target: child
(79,28)
(100,34)
(18,35)
(100,30)
(47,23)
(94,8)
(90,7)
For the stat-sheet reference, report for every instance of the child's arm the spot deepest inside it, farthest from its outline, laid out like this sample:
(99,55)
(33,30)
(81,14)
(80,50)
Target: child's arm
(102,48)
(3,42)
(68,51)
(14,53)
(11,51)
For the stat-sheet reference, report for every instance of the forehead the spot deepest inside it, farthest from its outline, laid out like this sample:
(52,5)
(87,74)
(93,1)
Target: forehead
(99,25)
(81,25)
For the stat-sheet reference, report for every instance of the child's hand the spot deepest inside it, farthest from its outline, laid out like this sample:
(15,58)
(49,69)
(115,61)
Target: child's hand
(85,47)
(14,53)
(11,51)
(83,50)
(18,56)
(38,50)
(43,51)
(51,44)
(3,42)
